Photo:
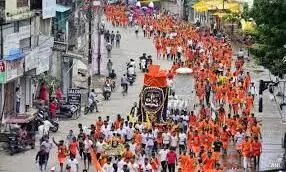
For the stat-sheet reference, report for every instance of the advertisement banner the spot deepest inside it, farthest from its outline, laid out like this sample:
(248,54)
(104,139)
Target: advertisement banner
(49,8)
(15,69)
(2,72)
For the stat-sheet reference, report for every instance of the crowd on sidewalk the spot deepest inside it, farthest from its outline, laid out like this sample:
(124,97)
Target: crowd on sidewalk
(188,140)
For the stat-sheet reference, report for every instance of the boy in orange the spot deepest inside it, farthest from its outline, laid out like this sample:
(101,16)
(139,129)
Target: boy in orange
(73,147)
(209,163)
(62,152)
(127,155)
(99,123)
(255,130)
(154,162)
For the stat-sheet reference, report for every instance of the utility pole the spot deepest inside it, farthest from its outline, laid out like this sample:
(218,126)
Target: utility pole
(99,39)
(89,45)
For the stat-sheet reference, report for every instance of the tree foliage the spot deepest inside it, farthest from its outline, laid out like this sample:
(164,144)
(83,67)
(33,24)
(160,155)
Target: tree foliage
(270,17)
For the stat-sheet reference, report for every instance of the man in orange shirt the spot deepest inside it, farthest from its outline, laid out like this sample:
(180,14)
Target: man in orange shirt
(246,149)
(256,151)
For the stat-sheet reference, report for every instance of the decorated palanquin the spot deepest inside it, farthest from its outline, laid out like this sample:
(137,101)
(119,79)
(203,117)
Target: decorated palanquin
(154,96)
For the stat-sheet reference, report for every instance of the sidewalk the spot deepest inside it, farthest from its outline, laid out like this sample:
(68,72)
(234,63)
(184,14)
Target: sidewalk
(272,128)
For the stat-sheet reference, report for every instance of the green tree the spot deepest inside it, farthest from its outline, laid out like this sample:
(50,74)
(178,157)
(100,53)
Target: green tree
(270,34)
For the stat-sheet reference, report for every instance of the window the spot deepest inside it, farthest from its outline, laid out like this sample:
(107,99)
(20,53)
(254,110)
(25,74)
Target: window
(25,44)
(24,22)
(22,3)
(16,26)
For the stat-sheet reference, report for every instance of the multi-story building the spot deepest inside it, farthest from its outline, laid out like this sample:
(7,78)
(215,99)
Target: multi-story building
(26,44)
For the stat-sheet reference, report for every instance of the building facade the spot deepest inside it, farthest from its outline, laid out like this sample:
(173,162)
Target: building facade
(26,44)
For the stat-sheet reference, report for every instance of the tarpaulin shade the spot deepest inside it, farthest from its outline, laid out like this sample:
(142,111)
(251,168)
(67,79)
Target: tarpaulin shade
(155,77)
(200,6)
(15,54)
(206,5)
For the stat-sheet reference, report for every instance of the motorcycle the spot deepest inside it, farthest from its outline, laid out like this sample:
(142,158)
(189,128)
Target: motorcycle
(67,111)
(107,91)
(131,79)
(40,118)
(89,108)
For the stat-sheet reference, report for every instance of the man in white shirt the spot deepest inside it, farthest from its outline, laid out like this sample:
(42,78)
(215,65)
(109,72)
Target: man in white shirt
(120,163)
(144,139)
(182,141)
(166,139)
(99,146)
(174,141)
(147,166)
(121,131)
(73,164)
(150,142)
(86,154)
(168,51)
(108,167)
(179,51)
(133,166)
(163,158)
(129,133)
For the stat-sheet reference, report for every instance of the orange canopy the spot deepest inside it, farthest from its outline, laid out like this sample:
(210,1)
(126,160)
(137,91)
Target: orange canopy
(155,77)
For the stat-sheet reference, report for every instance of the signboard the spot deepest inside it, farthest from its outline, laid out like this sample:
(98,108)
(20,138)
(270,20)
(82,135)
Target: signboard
(74,96)
(15,69)
(49,8)
(60,46)
(2,72)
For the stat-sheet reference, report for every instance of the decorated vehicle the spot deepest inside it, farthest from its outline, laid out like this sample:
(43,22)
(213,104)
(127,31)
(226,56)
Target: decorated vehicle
(154,95)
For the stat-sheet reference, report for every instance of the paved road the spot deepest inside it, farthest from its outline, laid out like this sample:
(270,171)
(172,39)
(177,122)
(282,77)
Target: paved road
(132,47)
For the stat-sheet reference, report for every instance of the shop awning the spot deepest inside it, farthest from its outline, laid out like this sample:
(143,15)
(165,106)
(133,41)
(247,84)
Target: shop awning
(219,14)
(61,8)
(15,54)
(205,5)
(200,6)
(233,7)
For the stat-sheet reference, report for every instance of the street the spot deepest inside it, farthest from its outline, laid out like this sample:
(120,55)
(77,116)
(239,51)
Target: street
(132,47)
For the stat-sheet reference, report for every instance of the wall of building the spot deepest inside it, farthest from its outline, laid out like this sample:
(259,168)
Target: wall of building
(11,7)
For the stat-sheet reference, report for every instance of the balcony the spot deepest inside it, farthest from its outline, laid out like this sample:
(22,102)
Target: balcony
(18,15)
(36,4)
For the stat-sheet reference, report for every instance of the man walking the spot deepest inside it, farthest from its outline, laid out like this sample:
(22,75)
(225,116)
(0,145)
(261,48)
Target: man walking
(112,36)
(18,98)
(172,160)
(118,38)
(109,66)
(124,84)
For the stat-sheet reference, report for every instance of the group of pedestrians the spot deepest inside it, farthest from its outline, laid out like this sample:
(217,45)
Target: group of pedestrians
(188,140)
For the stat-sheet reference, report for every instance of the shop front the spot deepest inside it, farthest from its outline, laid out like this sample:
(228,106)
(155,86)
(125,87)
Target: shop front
(12,78)
(36,63)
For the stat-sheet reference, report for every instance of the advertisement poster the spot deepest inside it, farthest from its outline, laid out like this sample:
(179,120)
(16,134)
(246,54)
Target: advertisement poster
(49,8)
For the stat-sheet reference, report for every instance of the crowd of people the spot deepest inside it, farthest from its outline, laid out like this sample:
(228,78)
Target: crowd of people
(189,140)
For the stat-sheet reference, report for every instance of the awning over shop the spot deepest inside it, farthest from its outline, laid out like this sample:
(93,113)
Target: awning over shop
(61,8)
(200,6)
(219,14)
(205,5)
(15,54)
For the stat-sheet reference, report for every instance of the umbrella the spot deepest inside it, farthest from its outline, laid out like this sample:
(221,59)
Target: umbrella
(184,70)
(151,5)
(138,4)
